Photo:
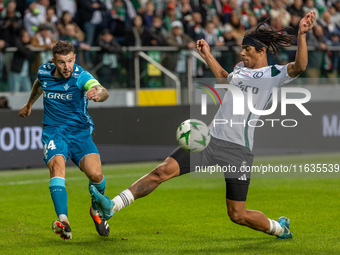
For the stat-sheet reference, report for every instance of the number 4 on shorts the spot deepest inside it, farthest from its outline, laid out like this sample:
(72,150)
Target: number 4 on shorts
(51,145)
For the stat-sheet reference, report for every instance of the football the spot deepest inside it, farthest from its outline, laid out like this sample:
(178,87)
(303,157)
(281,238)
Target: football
(193,135)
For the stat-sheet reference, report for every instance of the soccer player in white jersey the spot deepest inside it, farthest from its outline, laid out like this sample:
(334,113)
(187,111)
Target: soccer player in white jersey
(230,146)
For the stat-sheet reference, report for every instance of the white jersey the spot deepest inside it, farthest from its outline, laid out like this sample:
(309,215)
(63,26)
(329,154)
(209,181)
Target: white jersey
(260,82)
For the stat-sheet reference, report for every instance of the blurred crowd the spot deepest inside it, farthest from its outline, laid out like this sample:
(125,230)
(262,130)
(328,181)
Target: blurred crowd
(112,24)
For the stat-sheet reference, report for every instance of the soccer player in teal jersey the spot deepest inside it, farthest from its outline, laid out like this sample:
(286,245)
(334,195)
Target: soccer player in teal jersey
(230,147)
(67,129)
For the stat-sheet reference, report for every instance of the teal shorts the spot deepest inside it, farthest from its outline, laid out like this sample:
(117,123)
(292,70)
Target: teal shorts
(67,141)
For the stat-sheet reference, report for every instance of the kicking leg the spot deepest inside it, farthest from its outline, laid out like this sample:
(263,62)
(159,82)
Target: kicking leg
(59,196)
(149,182)
(92,167)
(141,188)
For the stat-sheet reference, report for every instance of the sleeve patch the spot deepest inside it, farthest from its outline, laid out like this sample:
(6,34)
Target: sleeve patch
(275,71)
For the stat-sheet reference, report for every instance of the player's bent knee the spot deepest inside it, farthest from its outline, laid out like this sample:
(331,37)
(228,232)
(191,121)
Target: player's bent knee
(163,173)
(95,177)
(57,169)
(159,173)
(57,166)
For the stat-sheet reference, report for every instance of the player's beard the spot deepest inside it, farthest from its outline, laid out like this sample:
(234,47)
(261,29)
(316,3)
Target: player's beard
(65,76)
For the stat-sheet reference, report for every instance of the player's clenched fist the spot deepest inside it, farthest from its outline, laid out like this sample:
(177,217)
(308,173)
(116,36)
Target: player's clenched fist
(25,111)
(203,48)
(92,94)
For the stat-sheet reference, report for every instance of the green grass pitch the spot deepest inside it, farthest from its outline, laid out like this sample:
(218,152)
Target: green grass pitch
(183,216)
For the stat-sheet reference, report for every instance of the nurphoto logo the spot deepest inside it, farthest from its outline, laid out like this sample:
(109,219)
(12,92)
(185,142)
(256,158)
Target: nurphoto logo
(239,104)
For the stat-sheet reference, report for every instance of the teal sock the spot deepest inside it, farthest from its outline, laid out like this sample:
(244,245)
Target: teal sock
(59,195)
(100,187)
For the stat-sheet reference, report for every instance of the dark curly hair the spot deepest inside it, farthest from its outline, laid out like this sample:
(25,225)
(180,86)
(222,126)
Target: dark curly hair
(270,37)
(62,48)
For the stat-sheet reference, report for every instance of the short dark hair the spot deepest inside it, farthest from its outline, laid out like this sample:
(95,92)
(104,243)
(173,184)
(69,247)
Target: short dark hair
(22,32)
(105,31)
(62,48)
(43,27)
(157,17)
(50,8)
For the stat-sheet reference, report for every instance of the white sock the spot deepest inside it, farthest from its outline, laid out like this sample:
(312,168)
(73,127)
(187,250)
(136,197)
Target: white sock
(93,211)
(122,200)
(275,228)
(63,217)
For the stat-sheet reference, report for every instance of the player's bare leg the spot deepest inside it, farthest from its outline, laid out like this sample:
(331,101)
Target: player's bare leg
(240,215)
(256,220)
(92,167)
(57,166)
(59,196)
(149,182)
(141,188)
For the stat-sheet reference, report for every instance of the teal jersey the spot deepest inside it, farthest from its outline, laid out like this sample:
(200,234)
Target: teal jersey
(65,102)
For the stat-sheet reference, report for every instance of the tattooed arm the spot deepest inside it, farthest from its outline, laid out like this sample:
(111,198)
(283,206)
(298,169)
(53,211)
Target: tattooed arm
(36,92)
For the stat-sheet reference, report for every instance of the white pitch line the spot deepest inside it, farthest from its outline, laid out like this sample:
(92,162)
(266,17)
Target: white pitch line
(69,179)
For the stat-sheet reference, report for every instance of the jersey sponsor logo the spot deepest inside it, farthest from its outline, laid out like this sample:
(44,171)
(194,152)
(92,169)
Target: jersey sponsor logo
(44,84)
(244,88)
(258,75)
(66,87)
(52,95)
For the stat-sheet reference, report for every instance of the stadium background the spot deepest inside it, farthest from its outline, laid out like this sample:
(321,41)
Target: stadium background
(138,122)
(143,66)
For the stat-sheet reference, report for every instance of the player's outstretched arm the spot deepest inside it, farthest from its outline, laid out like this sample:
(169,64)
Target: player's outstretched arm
(204,50)
(97,93)
(36,92)
(301,57)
